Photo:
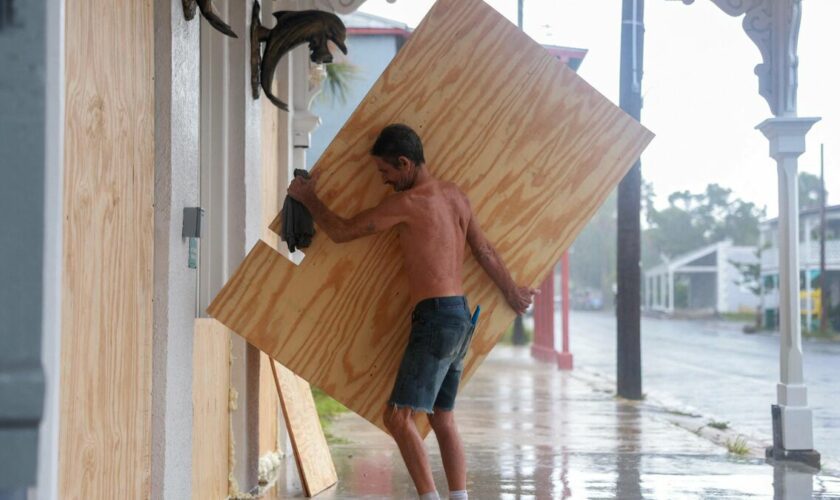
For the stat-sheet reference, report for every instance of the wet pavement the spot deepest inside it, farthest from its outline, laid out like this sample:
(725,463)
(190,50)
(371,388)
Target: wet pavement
(711,367)
(532,431)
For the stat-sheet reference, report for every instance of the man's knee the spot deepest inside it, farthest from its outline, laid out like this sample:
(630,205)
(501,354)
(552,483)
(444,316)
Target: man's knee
(397,419)
(442,420)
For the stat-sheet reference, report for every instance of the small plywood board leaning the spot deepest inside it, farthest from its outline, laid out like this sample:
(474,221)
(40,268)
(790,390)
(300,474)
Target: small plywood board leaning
(312,454)
(536,149)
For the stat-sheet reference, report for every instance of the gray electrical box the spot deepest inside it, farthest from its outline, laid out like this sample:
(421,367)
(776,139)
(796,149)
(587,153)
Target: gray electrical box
(192,222)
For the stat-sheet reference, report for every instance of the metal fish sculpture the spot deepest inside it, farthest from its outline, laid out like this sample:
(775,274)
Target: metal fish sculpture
(209,12)
(293,28)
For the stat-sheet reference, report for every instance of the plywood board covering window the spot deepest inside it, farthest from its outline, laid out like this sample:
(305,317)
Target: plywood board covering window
(106,346)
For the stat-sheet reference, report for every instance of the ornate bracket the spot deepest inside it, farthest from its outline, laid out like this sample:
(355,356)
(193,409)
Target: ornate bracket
(306,77)
(209,12)
(293,28)
(773,25)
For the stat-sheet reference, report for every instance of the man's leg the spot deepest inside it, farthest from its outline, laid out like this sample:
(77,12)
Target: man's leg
(401,425)
(451,448)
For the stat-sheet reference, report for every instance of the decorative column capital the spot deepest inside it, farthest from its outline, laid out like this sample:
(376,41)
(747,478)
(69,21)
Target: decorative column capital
(336,6)
(341,6)
(773,25)
(786,135)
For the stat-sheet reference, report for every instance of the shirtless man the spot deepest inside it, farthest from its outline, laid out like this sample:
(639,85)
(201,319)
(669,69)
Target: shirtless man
(434,221)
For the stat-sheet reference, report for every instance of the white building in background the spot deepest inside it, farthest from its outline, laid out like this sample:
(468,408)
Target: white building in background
(809,268)
(703,281)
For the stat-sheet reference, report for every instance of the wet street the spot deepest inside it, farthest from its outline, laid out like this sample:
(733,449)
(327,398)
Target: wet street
(711,367)
(532,431)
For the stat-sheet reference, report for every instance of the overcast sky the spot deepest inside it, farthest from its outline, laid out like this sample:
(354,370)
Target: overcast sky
(700,93)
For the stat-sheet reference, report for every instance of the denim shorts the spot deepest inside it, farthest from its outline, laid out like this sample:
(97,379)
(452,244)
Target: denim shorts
(430,371)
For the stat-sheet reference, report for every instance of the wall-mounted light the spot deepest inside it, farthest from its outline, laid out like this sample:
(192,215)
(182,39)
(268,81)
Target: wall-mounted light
(293,28)
(209,12)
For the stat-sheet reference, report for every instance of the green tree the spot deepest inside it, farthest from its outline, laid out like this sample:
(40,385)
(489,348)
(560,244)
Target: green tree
(694,220)
(592,256)
(809,191)
(673,231)
(751,279)
(338,81)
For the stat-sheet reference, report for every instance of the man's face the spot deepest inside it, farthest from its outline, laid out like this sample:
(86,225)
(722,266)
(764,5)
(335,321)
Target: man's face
(398,178)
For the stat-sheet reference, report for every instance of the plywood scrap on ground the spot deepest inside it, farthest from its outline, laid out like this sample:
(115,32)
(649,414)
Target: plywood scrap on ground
(312,454)
(536,149)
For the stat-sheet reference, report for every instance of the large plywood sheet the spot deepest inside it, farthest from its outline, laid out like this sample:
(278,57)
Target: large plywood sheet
(535,148)
(211,416)
(106,344)
(312,454)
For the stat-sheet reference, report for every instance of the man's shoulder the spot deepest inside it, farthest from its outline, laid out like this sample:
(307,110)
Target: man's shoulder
(453,188)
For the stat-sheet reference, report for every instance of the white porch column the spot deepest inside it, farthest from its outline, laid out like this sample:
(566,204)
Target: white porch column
(670,290)
(306,85)
(663,294)
(807,260)
(651,293)
(773,25)
(787,142)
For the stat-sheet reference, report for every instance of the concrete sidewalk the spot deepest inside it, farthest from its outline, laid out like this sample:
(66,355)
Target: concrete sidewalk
(532,431)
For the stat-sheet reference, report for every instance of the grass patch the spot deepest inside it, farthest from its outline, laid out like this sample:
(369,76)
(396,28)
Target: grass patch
(328,409)
(721,426)
(680,413)
(739,316)
(738,447)
(821,334)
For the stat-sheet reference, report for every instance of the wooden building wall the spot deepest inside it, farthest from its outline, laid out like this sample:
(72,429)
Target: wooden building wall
(106,351)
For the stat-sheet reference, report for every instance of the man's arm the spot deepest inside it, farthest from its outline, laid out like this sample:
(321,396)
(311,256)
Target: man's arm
(519,298)
(373,220)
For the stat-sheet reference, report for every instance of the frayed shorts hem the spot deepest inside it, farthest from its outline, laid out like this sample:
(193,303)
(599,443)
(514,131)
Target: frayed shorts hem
(413,408)
(420,409)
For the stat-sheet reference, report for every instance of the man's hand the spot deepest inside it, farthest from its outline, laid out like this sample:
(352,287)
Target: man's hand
(303,190)
(520,298)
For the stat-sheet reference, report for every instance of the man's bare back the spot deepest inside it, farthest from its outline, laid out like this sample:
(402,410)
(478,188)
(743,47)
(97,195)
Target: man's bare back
(432,237)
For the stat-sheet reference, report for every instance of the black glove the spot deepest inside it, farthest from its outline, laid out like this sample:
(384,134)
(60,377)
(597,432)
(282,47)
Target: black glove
(297,227)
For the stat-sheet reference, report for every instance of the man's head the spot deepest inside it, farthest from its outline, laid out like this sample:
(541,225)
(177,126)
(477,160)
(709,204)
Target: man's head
(398,152)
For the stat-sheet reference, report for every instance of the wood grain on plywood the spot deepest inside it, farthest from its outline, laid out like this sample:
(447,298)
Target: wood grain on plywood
(108,194)
(312,454)
(211,416)
(536,149)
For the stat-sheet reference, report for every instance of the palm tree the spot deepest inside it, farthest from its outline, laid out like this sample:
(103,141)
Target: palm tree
(339,78)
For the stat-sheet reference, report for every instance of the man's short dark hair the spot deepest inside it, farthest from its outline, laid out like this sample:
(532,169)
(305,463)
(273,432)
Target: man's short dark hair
(398,140)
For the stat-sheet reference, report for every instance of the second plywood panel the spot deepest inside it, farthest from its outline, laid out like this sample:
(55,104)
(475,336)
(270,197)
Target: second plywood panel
(312,455)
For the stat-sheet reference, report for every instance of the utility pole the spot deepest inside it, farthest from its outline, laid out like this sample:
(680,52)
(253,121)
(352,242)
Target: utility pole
(823,289)
(518,326)
(628,300)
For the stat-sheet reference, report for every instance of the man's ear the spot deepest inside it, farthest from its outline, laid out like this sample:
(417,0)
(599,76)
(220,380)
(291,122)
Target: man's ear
(404,162)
